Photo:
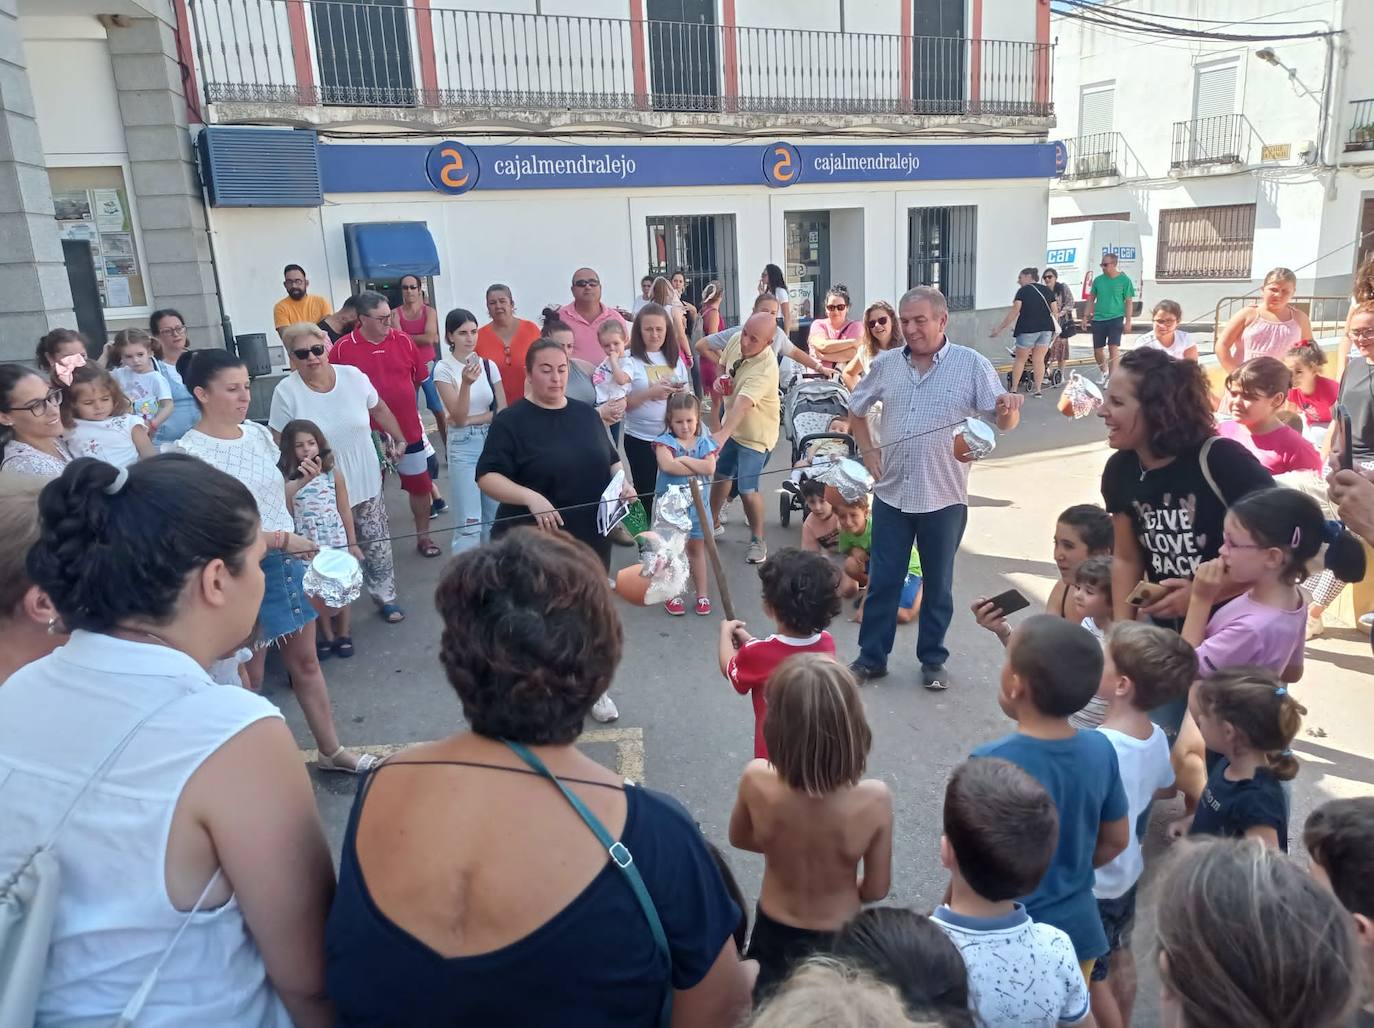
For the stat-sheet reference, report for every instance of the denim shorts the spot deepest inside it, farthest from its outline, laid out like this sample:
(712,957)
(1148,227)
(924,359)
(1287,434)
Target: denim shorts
(285,608)
(911,588)
(1118,918)
(430,391)
(742,464)
(1030,339)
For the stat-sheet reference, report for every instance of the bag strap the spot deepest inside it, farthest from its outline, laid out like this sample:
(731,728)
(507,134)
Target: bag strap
(1040,292)
(1207,471)
(622,858)
(140,997)
(486,368)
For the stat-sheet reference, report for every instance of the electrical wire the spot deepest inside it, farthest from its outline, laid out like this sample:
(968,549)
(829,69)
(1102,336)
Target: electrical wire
(1108,9)
(1114,18)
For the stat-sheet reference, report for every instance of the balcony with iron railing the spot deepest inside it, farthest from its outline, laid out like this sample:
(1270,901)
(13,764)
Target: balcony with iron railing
(1099,157)
(1220,141)
(327,61)
(1361,134)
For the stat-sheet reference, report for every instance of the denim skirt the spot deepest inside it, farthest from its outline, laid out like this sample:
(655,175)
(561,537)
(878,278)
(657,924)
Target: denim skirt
(285,608)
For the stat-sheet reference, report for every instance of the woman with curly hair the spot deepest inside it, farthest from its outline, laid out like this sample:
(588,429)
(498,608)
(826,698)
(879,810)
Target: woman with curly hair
(477,887)
(1170,482)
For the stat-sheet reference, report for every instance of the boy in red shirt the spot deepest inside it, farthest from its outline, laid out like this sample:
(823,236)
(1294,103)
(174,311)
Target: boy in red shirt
(801,595)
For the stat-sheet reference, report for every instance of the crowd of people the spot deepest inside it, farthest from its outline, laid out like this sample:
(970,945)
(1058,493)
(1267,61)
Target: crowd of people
(151,552)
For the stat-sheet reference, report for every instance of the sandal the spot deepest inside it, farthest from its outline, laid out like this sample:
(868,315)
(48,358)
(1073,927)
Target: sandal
(428,548)
(364,763)
(324,648)
(343,646)
(391,613)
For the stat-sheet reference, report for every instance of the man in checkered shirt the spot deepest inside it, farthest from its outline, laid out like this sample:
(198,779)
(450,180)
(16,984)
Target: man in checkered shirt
(921,491)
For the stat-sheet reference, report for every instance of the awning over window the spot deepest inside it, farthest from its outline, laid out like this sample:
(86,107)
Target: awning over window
(386,250)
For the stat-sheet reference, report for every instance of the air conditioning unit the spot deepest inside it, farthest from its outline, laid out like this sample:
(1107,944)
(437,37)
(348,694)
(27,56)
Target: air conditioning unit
(1094,165)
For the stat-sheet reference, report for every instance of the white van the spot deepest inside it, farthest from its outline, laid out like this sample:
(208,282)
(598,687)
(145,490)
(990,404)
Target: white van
(1075,251)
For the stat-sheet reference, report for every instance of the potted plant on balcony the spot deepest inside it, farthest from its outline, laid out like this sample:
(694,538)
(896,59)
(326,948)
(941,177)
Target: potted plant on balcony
(1363,133)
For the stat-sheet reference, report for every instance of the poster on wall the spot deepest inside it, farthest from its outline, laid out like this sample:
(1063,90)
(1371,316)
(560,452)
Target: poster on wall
(109,210)
(117,292)
(803,299)
(82,231)
(117,244)
(123,266)
(73,206)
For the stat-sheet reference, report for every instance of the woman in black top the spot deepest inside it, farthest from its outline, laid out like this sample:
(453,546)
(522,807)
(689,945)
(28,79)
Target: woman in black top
(547,458)
(1036,312)
(1170,482)
(471,892)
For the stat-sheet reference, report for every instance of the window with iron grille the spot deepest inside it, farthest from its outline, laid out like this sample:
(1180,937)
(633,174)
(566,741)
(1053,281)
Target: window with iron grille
(702,247)
(1206,242)
(941,251)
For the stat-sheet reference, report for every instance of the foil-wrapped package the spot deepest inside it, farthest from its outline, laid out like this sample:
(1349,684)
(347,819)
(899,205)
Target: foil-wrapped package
(1080,397)
(662,570)
(848,477)
(673,510)
(335,577)
(973,440)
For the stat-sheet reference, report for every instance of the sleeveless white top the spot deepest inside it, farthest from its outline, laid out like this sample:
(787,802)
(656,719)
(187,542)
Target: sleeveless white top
(60,718)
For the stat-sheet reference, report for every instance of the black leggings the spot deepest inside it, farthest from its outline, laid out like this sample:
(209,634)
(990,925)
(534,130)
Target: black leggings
(639,454)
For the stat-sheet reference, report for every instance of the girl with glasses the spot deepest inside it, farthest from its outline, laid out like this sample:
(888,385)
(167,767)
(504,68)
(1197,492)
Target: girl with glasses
(30,423)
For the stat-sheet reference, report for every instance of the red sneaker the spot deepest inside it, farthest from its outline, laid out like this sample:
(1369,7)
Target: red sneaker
(703,605)
(675,606)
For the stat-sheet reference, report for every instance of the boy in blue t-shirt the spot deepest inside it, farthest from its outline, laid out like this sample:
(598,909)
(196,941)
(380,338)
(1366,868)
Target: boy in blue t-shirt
(1053,668)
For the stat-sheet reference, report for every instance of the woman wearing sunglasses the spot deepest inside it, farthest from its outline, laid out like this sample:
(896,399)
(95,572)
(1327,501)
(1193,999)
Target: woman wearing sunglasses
(30,423)
(1059,349)
(340,400)
(835,338)
(879,334)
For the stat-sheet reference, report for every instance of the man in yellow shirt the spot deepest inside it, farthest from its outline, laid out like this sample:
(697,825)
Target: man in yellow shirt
(750,430)
(298,305)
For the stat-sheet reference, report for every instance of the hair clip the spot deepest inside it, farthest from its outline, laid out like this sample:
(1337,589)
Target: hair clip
(1285,753)
(1300,344)
(118,482)
(1297,538)
(1280,691)
(64,367)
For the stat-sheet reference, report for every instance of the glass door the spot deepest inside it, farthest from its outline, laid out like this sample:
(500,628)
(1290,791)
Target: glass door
(808,260)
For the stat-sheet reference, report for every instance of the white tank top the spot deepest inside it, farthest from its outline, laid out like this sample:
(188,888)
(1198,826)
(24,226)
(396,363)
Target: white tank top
(60,717)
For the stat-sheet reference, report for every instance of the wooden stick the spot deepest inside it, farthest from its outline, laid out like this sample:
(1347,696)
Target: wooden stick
(708,536)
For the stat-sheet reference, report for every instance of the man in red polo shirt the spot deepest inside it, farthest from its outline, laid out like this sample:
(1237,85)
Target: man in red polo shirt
(586,314)
(394,366)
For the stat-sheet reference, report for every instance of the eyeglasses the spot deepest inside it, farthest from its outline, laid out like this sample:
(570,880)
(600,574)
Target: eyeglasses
(179,330)
(1227,542)
(310,351)
(837,306)
(878,322)
(383,318)
(583,283)
(409,289)
(36,407)
(1362,333)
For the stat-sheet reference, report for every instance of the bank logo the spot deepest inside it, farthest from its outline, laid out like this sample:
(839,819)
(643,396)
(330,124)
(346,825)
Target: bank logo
(781,164)
(452,167)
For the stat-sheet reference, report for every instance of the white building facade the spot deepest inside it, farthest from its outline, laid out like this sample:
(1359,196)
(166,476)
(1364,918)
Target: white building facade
(874,143)
(1231,157)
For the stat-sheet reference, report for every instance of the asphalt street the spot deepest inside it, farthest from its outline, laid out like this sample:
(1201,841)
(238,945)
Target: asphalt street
(684,730)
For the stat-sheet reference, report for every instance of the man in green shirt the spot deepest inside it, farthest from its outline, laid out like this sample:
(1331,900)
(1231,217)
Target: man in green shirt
(1109,311)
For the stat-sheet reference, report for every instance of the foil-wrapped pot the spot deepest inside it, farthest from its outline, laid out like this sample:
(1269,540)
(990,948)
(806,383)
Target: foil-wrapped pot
(1080,397)
(848,477)
(334,577)
(973,440)
(673,509)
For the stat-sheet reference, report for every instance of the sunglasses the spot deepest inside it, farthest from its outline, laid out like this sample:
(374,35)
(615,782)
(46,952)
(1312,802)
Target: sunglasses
(310,351)
(36,407)
(409,289)
(583,283)
(837,306)
(878,322)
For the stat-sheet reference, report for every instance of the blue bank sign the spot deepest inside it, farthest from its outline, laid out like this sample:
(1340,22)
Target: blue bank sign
(455,168)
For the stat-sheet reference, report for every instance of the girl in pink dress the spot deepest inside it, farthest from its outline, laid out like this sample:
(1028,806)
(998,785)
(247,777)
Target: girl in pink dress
(1258,391)
(1269,329)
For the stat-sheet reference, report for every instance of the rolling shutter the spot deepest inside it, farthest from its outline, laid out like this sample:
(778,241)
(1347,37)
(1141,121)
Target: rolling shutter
(1096,109)
(1214,90)
(259,167)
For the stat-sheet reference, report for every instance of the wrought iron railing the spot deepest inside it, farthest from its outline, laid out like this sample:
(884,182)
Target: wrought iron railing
(1099,155)
(387,54)
(1361,134)
(1223,139)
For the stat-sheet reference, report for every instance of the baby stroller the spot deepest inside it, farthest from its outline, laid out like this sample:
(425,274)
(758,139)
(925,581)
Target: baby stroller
(1053,376)
(810,404)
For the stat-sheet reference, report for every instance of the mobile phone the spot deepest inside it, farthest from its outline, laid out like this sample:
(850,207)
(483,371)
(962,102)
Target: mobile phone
(1146,593)
(1009,602)
(1341,444)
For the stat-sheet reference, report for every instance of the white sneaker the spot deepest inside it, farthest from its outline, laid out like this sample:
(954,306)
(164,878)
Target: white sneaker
(721,518)
(719,530)
(603,710)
